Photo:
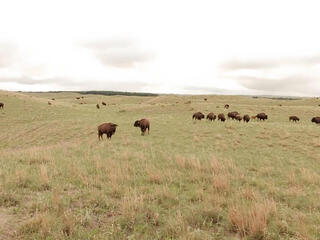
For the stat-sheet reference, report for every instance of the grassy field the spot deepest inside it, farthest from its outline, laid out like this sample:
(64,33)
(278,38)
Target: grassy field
(186,180)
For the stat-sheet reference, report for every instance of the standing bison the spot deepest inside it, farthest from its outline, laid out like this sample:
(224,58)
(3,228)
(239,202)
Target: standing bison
(232,115)
(106,128)
(262,116)
(98,106)
(144,124)
(316,120)
(294,119)
(1,105)
(226,106)
(104,104)
(221,117)
(246,118)
(197,116)
(238,117)
(211,116)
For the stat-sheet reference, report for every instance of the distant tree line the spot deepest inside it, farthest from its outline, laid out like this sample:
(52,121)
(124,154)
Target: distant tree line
(112,93)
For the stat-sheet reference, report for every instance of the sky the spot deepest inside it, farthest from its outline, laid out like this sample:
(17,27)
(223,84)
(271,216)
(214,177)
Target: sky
(185,47)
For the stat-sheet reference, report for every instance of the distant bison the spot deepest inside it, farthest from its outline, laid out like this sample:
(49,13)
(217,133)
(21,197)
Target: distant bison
(53,99)
(144,124)
(103,103)
(1,105)
(232,115)
(49,103)
(254,117)
(238,117)
(78,98)
(246,118)
(106,128)
(294,119)
(262,116)
(211,116)
(98,106)
(226,106)
(221,117)
(197,116)
(316,120)
(205,99)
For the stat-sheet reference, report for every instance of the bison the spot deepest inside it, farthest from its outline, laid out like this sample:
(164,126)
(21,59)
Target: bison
(1,105)
(262,116)
(49,103)
(103,103)
(197,116)
(294,119)
(238,117)
(106,128)
(144,124)
(246,118)
(226,106)
(232,115)
(221,117)
(211,116)
(205,99)
(53,99)
(78,98)
(254,117)
(316,120)
(98,106)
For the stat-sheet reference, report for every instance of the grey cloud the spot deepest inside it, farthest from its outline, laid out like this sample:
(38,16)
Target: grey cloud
(80,84)
(7,54)
(260,64)
(296,83)
(122,52)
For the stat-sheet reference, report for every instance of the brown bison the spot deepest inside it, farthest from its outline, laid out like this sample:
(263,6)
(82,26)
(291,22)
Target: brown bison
(211,116)
(78,98)
(205,99)
(232,115)
(254,117)
(144,124)
(294,119)
(53,99)
(49,103)
(316,120)
(246,118)
(1,105)
(106,128)
(197,116)
(221,117)
(262,116)
(238,117)
(103,103)
(98,106)
(226,106)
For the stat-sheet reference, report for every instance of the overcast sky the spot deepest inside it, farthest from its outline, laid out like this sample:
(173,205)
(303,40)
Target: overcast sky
(192,47)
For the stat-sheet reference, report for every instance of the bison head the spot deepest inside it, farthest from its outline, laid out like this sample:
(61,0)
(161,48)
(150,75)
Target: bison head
(136,123)
(313,119)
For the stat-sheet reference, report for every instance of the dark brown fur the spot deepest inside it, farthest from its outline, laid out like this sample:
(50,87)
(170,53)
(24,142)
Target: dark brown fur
(226,106)
(205,99)
(294,119)
(98,106)
(197,116)
(144,124)
(103,103)
(1,105)
(316,120)
(211,116)
(221,117)
(238,117)
(262,116)
(246,118)
(232,115)
(106,128)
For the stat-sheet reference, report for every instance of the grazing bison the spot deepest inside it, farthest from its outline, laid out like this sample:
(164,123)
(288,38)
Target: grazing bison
(294,119)
(205,99)
(106,128)
(197,116)
(144,124)
(226,106)
(262,116)
(316,120)
(1,105)
(49,103)
(232,115)
(221,117)
(238,117)
(103,103)
(246,118)
(211,116)
(98,106)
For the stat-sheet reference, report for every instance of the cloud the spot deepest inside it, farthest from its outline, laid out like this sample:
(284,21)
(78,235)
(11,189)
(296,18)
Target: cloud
(261,64)
(76,84)
(7,54)
(120,52)
(290,84)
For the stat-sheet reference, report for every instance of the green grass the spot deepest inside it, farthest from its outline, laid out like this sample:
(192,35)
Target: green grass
(186,180)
